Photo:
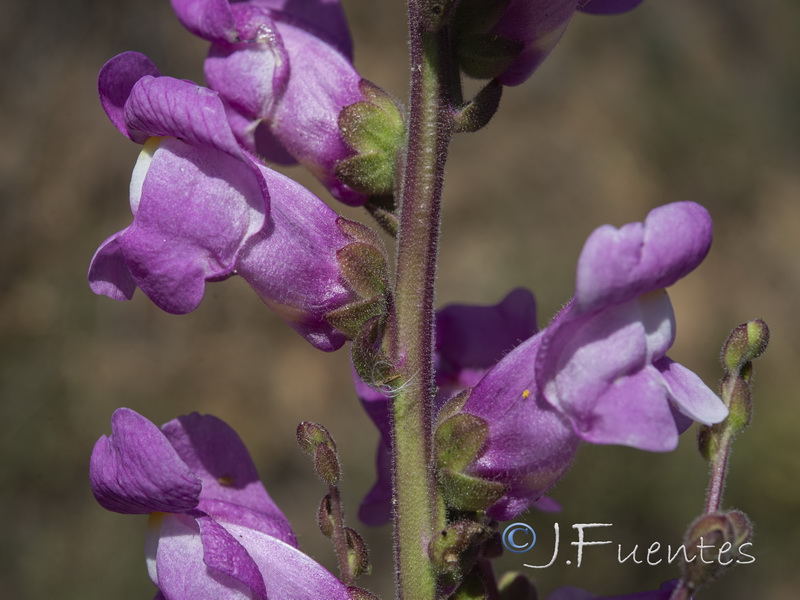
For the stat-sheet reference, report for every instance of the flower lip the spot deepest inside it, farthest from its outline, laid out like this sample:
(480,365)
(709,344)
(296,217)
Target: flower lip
(617,265)
(136,470)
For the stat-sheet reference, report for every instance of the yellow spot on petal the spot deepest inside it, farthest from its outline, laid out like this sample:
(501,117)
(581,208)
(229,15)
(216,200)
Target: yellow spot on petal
(227,481)
(526,393)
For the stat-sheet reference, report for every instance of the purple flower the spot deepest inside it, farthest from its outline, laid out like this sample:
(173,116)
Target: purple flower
(537,25)
(204,209)
(571,593)
(599,372)
(469,340)
(285,71)
(214,532)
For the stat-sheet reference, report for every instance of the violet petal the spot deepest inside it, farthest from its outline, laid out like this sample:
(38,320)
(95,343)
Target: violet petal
(136,470)
(690,395)
(217,455)
(619,264)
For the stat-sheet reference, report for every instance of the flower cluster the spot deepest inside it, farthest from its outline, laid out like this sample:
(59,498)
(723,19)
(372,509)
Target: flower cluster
(512,403)
(214,532)
(597,373)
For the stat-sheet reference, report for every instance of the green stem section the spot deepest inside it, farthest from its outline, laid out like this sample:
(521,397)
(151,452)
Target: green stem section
(418,511)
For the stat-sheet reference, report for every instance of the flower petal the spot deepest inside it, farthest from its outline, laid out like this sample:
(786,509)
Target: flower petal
(476,337)
(116,80)
(287,572)
(221,552)
(323,81)
(108,273)
(292,264)
(376,507)
(617,265)
(209,19)
(325,18)
(537,25)
(198,207)
(582,354)
(633,411)
(163,106)
(181,573)
(135,470)
(690,395)
(217,455)
(530,444)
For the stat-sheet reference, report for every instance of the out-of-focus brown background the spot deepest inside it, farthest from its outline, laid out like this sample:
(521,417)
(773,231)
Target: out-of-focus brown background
(677,100)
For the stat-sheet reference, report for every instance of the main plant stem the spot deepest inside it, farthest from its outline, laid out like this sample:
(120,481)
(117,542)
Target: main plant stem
(417,508)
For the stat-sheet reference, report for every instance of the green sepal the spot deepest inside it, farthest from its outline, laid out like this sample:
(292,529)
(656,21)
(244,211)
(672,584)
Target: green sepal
(480,110)
(485,56)
(350,319)
(458,441)
(516,586)
(467,493)
(357,554)
(359,232)
(375,130)
(478,16)
(325,519)
(364,268)
(369,173)
(454,550)
(368,126)
(452,407)
(472,588)
(369,361)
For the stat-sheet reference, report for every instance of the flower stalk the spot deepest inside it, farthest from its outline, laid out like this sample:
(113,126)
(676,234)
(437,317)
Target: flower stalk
(417,507)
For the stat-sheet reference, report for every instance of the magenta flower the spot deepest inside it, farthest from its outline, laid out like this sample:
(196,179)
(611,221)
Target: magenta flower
(537,26)
(599,372)
(204,209)
(469,340)
(214,532)
(285,71)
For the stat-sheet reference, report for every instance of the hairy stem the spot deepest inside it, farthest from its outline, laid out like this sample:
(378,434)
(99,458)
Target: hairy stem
(339,536)
(418,510)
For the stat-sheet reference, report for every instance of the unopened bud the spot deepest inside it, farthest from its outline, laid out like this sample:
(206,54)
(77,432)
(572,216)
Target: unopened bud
(357,554)
(744,344)
(360,594)
(326,464)
(714,542)
(310,435)
(325,519)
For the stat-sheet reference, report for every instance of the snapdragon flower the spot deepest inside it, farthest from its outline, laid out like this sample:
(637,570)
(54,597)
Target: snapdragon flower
(205,209)
(214,532)
(599,372)
(285,71)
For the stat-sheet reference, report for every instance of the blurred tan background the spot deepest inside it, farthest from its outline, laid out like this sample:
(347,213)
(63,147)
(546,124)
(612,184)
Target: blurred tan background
(677,100)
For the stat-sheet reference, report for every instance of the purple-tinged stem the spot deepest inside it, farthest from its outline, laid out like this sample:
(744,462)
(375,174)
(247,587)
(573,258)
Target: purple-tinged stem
(417,507)
(339,536)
